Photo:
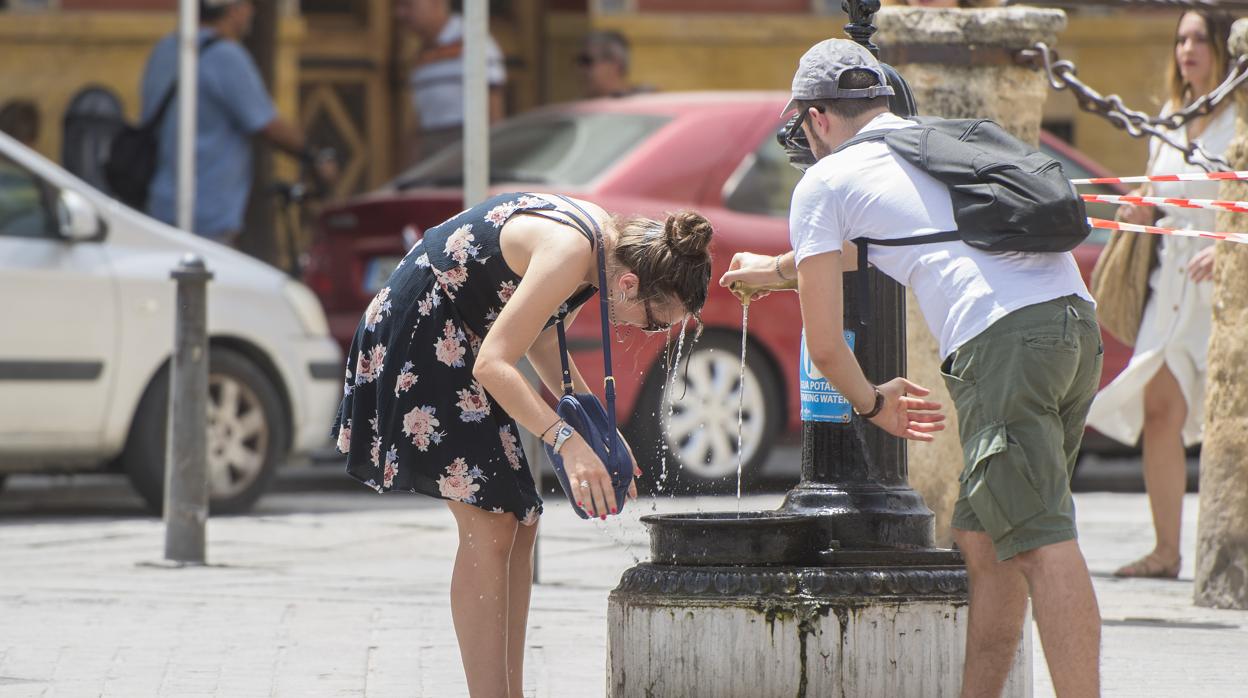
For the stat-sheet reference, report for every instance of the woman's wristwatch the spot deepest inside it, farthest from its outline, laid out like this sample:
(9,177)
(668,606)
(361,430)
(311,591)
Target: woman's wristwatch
(562,433)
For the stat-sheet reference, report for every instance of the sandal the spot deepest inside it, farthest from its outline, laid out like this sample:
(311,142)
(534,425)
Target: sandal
(1150,567)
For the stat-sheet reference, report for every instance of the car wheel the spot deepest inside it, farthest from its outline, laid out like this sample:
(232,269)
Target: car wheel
(246,435)
(690,446)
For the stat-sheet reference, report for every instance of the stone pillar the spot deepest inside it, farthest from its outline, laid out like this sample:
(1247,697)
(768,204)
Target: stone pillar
(959,65)
(1222,532)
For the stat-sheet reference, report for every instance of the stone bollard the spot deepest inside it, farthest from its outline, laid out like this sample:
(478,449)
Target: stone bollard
(959,63)
(1222,531)
(536,455)
(186,462)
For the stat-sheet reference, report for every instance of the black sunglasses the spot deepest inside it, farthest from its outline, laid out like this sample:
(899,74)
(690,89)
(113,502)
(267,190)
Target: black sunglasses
(584,60)
(792,138)
(653,325)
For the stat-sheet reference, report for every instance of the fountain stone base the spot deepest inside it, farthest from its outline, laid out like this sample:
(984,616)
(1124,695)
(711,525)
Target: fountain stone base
(769,603)
(856,629)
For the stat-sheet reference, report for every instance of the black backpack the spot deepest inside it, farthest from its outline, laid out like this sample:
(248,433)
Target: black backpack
(131,162)
(1007,196)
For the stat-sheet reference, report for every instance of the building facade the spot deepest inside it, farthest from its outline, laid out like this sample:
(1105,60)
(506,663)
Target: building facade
(339,66)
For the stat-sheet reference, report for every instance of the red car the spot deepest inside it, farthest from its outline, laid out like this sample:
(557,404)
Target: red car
(715,152)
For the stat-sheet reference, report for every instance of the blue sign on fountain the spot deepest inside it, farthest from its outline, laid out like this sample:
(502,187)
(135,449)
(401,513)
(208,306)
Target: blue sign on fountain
(820,401)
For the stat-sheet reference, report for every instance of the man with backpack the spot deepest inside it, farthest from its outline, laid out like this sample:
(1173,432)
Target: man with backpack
(233,105)
(1018,339)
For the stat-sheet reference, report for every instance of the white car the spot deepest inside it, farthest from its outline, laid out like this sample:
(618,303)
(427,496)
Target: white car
(86,334)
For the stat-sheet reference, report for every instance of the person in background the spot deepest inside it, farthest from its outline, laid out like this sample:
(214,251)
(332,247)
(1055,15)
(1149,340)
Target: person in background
(20,119)
(436,82)
(603,64)
(1161,391)
(232,106)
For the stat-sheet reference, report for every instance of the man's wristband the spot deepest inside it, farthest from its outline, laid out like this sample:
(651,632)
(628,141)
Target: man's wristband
(875,410)
(778,272)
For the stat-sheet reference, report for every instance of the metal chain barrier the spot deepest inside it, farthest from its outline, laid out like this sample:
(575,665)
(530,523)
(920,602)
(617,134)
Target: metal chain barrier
(1061,75)
(1140,4)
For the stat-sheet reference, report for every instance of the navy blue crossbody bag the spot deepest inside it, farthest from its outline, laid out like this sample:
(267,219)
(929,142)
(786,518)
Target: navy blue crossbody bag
(584,412)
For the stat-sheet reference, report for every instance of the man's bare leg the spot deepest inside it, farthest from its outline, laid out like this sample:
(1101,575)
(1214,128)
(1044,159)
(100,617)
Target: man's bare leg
(1067,616)
(998,607)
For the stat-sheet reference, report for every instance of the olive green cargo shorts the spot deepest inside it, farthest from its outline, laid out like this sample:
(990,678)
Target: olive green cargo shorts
(1022,389)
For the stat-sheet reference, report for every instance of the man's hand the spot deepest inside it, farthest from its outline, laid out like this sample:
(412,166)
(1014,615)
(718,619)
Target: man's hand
(752,270)
(905,416)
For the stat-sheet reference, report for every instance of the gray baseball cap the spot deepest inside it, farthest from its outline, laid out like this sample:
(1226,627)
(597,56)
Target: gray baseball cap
(819,73)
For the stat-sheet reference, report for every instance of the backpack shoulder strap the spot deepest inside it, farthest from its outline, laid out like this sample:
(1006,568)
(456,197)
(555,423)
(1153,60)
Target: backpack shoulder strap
(863,137)
(167,100)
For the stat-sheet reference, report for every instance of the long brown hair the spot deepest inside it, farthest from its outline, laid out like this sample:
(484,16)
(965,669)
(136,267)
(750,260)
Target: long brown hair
(670,259)
(1218,29)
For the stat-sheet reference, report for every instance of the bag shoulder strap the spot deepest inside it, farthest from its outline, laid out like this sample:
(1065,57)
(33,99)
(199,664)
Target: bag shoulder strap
(863,137)
(589,226)
(159,115)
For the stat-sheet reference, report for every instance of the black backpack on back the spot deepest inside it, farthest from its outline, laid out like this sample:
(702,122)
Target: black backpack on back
(1007,196)
(131,162)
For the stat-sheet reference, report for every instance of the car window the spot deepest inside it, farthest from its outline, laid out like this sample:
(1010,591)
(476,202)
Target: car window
(1074,170)
(559,149)
(24,203)
(763,183)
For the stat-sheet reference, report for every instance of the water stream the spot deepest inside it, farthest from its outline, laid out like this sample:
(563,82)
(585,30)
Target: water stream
(745,322)
(670,386)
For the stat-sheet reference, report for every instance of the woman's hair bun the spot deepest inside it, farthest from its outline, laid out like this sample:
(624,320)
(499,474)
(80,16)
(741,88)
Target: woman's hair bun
(688,233)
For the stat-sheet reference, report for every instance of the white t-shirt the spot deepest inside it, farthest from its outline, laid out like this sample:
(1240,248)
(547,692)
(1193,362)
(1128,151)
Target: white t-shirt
(437,81)
(866,191)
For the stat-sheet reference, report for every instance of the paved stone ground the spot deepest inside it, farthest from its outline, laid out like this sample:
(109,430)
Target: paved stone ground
(352,601)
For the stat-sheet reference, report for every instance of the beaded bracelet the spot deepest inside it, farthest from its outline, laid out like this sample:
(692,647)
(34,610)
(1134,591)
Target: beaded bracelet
(778,272)
(542,438)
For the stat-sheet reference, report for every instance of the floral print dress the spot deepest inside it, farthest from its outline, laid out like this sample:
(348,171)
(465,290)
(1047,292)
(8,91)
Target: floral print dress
(412,416)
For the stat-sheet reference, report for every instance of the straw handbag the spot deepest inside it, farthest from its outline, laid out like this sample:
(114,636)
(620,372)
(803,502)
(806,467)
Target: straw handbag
(1120,283)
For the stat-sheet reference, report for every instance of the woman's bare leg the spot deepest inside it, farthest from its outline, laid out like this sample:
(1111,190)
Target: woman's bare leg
(479,588)
(520,588)
(1165,462)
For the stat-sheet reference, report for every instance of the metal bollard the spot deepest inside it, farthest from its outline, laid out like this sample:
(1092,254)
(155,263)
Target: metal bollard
(186,452)
(536,455)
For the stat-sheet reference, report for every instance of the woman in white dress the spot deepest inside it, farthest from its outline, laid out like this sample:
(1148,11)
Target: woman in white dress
(1161,392)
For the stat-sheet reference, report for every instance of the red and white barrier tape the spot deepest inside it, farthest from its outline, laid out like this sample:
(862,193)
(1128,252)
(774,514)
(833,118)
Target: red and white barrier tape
(1155,230)
(1182,177)
(1209,204)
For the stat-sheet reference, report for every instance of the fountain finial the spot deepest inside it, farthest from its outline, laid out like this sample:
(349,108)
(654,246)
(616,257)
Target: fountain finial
(861,22)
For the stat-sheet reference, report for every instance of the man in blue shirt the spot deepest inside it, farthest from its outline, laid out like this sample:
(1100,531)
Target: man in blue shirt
(233,105)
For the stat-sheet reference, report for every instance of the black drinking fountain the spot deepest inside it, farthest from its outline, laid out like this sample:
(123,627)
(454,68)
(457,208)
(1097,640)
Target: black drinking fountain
(839,592)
